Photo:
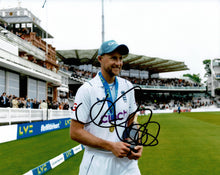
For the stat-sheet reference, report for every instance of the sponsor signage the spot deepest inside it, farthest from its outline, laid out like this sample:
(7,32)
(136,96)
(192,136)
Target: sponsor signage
(182,110)
(78,148)
(42,169)
(51,164)
(56,161)
(31,129)
(68,154)
(8,133)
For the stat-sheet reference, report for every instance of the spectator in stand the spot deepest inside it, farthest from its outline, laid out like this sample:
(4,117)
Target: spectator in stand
(28,103)
(15,102)
(3,100)
(55,105)
(25,57)
(5,26)
(49,104)
(22,103)
(34,60)
(54,69)
(44,65)
(66,106)
(35,104)
(61,106)
(17,34)
(43,105)
(9,101)
(31,102)
(25,31)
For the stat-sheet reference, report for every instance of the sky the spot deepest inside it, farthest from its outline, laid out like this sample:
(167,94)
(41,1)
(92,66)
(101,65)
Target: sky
(180,30)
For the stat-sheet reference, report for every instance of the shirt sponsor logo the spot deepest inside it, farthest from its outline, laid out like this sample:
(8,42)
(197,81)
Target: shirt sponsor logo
(119,116)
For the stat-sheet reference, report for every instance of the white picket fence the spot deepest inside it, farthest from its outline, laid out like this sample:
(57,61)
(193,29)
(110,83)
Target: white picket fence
(13,115)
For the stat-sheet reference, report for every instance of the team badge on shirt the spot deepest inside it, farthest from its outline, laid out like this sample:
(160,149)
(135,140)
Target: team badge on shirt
(124,96)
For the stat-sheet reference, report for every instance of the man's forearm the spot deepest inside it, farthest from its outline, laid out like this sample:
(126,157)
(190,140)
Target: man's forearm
(82,136)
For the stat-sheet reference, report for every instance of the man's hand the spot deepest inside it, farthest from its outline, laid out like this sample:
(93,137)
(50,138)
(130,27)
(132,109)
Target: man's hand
(137,155)
(120,149)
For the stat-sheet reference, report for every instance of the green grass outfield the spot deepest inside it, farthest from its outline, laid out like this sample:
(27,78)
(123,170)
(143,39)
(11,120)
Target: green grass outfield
(189,144)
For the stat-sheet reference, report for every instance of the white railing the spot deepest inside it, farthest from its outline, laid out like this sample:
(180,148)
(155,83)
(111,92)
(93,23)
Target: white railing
(15,115)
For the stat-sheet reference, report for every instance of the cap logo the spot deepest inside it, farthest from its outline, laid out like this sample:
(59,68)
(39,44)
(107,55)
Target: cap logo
(111,43)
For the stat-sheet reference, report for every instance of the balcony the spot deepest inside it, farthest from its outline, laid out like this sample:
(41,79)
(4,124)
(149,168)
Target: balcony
(24,66)
(23,44)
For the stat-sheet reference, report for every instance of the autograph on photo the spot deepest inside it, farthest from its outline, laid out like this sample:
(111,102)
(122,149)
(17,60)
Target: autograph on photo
(135,133)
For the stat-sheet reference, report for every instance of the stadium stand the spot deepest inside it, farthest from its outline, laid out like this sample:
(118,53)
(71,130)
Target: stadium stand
(35,71)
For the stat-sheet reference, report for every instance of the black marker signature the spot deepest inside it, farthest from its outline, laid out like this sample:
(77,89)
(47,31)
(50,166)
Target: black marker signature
(135,134)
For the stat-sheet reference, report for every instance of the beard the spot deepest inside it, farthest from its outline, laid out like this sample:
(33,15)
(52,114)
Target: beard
(113,71)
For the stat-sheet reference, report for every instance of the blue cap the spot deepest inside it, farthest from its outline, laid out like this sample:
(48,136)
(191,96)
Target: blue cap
(112,45)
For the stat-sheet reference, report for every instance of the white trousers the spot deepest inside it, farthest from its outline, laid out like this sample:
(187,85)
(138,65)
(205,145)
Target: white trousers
(106,163)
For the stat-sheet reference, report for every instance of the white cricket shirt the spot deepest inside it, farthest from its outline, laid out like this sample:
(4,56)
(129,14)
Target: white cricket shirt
(88,106)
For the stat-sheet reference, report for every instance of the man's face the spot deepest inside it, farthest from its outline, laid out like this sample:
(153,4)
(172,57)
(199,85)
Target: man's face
(111,63)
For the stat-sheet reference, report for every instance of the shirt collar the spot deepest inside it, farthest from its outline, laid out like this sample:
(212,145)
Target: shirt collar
(97,81)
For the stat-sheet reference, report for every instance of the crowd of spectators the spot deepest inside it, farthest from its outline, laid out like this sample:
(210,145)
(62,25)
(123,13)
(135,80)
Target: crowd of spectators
(20,32)
(77,73)
(167,82)
(173,102)
(11,101)
(158,101)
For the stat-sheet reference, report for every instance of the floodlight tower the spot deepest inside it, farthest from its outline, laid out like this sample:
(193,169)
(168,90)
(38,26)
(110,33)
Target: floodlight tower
(103,25)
